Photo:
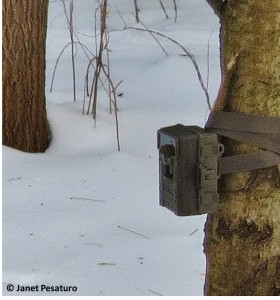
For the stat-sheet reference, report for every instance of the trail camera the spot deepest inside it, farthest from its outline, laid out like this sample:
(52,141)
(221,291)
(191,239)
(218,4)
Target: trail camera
(190,158)
(188,169)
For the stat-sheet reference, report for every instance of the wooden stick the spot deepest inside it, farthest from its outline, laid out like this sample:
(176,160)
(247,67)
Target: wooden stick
(86,199)
(193,232)
(146,237)
(136,11)
(176,10)
(163,8)
(155,293)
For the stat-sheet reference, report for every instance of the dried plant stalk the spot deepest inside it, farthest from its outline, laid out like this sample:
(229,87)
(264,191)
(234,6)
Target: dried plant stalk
(137,10)
(96,62)
(71,32)
(175,9)
(102,68)
(187,54)
(164,10)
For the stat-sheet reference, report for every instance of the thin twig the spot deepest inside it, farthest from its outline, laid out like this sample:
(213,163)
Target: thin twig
(87,74)
(72,48)
(155,293)
(56,65)
(95,60)
(119,13)
(95,67)
(59,56)
(106,264)
(193,232)
(188,54)
(108,70)
(86,86)
(93,244)
(151,33)
(101,68)
(99,63)
(137,10)
(84,48)
(86,199)
(115,88)
(71,32)
(132,231)
(115,107)
(163,8)
(176,10)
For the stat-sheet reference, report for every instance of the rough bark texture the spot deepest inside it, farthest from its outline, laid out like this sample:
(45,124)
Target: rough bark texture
(24,108)
(242,240)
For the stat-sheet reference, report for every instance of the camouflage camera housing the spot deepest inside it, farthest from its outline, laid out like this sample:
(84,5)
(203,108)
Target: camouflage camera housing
(188,169)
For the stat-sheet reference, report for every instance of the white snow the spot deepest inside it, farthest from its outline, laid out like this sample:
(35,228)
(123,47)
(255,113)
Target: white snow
(83,214)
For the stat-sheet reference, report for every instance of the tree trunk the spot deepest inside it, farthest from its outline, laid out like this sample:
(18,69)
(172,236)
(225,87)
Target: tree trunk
(24,108)
(242,240)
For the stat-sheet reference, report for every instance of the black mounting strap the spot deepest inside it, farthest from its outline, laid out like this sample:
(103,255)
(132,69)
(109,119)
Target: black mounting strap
(263,132)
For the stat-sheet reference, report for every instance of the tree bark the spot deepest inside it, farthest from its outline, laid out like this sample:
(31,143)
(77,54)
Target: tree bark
(24,109)
(242,240)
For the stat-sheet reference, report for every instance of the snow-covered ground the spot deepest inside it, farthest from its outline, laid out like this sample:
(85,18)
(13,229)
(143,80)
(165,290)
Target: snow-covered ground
(83,214)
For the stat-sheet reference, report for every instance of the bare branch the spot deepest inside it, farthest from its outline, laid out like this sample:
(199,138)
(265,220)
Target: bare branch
(187,53)
(164,10)
(157,41)
(60,54)
(71,31)
(137,10)
(132,231)
(119,13)
(176,10)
